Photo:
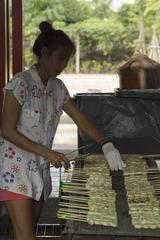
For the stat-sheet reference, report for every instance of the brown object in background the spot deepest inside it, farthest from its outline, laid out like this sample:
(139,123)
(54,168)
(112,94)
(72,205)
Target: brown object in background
(140,72)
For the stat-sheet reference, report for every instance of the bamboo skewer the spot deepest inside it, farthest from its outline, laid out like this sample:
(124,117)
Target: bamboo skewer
(74,201)
(72,217)
(74,188)
(73,210)
(78,216)
(80,173)
(76,192)
(153,177)
(79,177)
(72,184)
(71,205)
(75,198)
(157,170)
(79,180)
(155,182)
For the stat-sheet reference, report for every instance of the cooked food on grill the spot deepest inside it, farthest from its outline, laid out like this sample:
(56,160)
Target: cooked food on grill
(89,197)
(93,183)
(144,207)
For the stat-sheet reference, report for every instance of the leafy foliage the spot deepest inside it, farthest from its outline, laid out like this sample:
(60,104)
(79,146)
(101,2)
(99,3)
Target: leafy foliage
(106,35)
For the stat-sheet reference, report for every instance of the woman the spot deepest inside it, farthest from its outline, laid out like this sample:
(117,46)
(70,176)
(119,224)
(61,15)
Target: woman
(34,100)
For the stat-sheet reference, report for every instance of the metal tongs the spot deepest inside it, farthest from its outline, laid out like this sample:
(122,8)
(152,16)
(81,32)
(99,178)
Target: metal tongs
(77,158)
(81,157)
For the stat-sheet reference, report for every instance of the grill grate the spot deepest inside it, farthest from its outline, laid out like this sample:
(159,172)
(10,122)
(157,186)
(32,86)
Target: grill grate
(49,231)
(43,231)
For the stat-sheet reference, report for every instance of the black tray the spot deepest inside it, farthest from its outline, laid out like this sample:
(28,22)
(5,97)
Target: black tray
(139,93)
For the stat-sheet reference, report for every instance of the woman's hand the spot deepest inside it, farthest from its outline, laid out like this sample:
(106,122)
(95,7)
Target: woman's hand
(113,157)
(58,159)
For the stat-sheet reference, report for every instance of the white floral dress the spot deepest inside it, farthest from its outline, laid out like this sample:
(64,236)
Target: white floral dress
(21,171)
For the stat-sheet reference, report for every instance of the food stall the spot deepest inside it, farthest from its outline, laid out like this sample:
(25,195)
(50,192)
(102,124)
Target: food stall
(99,204)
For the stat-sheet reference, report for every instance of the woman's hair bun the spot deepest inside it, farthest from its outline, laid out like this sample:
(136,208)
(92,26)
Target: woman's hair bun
(45,26)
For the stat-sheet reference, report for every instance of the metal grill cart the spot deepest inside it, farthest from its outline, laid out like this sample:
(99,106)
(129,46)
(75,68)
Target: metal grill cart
(131,119)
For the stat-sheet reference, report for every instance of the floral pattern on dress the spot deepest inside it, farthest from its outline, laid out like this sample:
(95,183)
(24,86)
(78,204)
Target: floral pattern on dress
(8,177)
(19,159)
(22,188)
(36,92)
(15,168)
(32,165)
(10,152)
(22,92)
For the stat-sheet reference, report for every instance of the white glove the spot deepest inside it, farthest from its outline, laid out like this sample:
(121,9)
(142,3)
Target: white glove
(112,156)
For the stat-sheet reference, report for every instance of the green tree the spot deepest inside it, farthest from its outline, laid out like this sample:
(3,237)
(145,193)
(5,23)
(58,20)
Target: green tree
(106,35)
(101,8)
(60,13)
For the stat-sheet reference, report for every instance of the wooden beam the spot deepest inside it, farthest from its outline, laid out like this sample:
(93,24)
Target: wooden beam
(3,55)
(17,36)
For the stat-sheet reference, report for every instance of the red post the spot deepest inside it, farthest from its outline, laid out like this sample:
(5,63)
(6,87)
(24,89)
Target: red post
(8,39)
(3,52)
(17,36)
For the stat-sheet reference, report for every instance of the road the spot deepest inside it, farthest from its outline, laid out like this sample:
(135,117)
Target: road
(78,83)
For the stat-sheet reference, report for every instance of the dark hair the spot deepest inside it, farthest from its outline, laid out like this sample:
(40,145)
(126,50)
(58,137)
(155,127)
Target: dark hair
(51,39)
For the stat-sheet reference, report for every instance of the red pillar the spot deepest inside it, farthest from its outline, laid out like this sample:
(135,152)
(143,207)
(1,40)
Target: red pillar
(17,44)
(17,36)
(3,49)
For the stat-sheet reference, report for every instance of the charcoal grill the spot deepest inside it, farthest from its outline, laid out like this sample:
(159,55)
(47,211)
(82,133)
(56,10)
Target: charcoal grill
(140,111)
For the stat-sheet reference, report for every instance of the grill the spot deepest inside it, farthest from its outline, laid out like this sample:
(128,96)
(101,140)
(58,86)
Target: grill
(132,123)
(49,231)
(80,229)
(43,231)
